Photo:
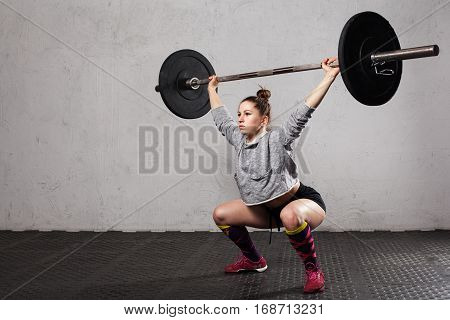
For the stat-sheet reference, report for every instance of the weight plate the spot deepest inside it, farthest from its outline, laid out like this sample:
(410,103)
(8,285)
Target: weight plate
(183,101)
(363,34)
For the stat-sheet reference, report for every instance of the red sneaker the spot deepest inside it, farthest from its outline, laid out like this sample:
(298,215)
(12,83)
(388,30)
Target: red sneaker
(315,281)
(245,264)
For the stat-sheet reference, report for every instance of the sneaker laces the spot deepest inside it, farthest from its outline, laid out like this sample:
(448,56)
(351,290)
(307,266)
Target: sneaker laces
(239,259)
(309,266)
(312,272)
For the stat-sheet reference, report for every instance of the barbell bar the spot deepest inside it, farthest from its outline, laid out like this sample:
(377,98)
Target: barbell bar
(406,54)
(403,54)
(369,56)
(193,83)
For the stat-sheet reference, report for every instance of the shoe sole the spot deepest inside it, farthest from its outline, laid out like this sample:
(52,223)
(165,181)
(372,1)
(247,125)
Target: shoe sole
(258,270)
(262,269)
(321,289)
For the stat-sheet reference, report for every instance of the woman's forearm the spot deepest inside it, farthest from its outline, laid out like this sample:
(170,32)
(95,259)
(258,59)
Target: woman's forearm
(315,97)
(214,99)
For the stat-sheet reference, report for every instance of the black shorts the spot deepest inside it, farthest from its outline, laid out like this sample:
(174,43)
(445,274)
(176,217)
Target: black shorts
(303,192)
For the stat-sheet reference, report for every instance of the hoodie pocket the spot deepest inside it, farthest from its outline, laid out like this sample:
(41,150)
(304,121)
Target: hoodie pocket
(260,175)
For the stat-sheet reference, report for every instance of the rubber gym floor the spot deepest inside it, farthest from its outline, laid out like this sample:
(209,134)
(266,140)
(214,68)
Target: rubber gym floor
(189,265)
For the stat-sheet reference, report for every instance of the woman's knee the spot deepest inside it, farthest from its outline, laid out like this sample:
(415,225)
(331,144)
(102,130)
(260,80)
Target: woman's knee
(298,211)
(220,215)
(290,218)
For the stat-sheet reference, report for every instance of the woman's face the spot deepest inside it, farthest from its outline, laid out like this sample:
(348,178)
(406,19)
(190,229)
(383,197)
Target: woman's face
(249,118)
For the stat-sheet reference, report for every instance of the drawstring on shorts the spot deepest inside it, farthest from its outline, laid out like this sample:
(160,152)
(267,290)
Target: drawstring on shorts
(270,226)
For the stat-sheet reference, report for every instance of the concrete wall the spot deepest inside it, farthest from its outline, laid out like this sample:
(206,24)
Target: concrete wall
(77,82)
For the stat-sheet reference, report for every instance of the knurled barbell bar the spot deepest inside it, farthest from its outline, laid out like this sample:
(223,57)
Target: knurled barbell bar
(369,56)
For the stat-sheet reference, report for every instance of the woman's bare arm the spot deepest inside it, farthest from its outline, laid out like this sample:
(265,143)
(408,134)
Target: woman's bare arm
(214,98)
(315,97)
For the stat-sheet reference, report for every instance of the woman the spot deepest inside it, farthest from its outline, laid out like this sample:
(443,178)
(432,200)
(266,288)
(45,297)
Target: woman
(267,178)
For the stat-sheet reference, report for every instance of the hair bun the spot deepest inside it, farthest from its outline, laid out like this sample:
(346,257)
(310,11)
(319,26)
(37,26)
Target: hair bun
(263,94)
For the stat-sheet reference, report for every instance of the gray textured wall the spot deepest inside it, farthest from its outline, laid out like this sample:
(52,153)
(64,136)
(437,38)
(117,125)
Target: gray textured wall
(76,84)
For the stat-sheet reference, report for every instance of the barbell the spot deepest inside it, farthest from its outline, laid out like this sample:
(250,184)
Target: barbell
(369,56)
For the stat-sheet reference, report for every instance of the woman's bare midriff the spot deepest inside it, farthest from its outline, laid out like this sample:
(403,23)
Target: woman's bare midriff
(283,199)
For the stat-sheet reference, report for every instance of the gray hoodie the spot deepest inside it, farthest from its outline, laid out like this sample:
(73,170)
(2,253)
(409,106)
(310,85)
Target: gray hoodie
(265,168)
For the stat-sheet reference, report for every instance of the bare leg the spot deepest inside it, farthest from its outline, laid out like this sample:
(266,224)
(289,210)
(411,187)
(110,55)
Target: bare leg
(235,212)
(299,218)
(232,217)
(300,210)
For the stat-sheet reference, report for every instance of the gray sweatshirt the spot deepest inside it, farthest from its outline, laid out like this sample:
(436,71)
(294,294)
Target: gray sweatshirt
(265,168)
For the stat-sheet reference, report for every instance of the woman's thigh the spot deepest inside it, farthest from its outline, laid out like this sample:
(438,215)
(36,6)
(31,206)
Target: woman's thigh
(304,210)
(235,212)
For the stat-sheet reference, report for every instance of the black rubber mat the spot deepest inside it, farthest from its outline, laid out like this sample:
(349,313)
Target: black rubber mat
(189,265)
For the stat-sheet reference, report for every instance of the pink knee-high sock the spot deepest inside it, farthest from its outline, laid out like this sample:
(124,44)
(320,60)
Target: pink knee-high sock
(303,242)
(240,236)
